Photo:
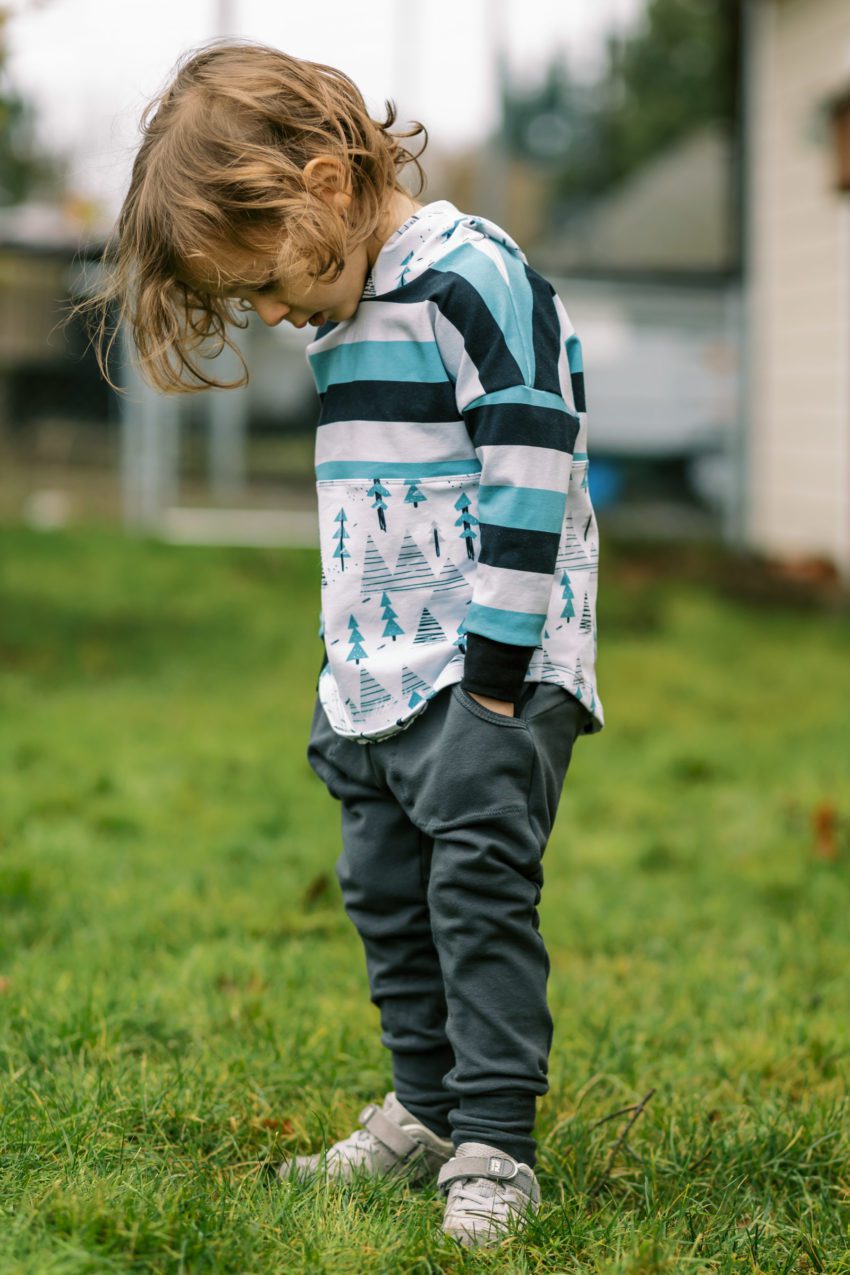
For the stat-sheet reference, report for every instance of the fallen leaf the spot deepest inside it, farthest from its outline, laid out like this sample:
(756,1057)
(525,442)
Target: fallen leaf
(825,828)
(280,1126)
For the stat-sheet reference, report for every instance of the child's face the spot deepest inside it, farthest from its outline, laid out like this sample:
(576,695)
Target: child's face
(300,300)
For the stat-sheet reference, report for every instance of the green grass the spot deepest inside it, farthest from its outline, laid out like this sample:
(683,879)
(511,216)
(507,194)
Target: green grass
(183,999)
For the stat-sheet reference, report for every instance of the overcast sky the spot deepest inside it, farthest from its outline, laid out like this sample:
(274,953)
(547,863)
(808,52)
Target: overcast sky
(90,65)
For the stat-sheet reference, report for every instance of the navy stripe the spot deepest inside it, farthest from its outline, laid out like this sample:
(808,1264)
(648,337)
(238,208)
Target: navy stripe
(577,379)
(518,549)
(427,401)
(507,423)
(503,286)
(464,307)
(546,333)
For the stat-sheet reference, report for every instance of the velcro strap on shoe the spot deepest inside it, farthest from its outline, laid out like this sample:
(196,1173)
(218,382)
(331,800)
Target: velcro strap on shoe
(391,1134)
(498,1167)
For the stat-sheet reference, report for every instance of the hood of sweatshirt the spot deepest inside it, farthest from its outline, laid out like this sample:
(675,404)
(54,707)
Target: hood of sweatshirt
(427,235)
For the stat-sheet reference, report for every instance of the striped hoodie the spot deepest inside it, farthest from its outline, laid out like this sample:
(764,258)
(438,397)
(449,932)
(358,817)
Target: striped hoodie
(457,537)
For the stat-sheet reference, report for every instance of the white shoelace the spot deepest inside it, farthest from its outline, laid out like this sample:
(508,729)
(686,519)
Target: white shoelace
(482,1194)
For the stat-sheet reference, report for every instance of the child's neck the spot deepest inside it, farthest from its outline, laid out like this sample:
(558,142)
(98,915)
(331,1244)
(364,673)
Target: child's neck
(399,208)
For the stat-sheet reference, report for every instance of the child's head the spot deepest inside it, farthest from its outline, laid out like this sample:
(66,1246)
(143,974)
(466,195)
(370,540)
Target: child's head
(254,166)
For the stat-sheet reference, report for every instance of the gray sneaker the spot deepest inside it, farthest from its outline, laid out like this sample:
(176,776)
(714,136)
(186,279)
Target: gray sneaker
(487,1190)
(391,1143)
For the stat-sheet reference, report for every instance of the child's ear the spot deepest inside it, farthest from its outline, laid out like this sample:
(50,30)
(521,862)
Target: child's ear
(327,177)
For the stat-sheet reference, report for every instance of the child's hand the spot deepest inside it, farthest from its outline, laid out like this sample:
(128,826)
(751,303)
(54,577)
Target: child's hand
(497,705)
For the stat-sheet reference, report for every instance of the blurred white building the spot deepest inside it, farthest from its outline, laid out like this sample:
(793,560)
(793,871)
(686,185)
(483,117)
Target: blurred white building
(797,294)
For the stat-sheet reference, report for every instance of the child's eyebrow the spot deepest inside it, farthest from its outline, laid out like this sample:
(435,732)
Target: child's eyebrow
(255,285)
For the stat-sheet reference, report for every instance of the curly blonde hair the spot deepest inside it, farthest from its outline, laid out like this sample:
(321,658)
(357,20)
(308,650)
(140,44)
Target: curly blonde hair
(222,162)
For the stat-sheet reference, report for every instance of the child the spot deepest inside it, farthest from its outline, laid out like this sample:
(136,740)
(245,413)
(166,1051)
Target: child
(459,557)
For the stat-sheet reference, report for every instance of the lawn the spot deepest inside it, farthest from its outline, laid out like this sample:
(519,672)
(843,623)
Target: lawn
(183,1000)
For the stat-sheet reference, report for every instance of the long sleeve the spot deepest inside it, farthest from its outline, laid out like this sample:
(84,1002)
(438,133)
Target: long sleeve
(506,343)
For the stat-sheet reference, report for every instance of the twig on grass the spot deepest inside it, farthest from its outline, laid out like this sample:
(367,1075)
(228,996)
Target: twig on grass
(623,1111)
(636,1111)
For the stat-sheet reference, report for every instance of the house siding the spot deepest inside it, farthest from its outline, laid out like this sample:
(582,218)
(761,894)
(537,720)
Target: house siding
(798,232)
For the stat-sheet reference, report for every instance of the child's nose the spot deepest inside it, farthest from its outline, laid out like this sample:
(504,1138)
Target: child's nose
(271,312)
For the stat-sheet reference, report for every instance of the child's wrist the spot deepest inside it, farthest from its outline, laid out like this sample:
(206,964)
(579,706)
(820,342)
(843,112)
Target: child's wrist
(505,707)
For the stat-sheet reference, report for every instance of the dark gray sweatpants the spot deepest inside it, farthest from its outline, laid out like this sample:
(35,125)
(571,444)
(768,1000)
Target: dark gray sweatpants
(443,830)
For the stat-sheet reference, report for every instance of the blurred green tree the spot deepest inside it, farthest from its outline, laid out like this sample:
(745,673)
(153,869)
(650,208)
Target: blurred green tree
(26,169)
(678,70)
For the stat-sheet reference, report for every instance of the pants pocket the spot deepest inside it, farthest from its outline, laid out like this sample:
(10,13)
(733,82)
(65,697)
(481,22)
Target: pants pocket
(480,710)
(472,762)
(321,745)
(555,719)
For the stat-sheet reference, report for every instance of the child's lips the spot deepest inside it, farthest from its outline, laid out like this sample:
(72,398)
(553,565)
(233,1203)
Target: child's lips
(318,318)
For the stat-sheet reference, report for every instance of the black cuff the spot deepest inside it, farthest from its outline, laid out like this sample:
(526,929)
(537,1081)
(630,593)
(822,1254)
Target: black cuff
(493,668)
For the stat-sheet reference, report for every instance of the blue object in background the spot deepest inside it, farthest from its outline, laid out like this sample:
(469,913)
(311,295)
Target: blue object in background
(604,481)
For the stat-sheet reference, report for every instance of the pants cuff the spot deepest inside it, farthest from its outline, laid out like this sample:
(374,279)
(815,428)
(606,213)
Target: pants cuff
(502,1120)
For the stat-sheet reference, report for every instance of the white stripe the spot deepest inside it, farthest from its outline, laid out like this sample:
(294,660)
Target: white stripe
(510,465)
(459,365)
(388,321)
(396,440)
(510,590)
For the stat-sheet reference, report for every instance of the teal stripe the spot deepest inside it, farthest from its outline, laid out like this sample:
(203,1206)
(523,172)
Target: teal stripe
(521,394)
(531,508)
(510,303)
(519,627)
(574,353)
(394,468)
(378,361)
(523,299)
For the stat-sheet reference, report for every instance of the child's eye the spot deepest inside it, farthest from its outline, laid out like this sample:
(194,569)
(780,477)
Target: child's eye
(268,286)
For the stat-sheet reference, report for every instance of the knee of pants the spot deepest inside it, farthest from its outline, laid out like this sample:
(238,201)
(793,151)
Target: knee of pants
(358,884)
(379,876)
(473,893)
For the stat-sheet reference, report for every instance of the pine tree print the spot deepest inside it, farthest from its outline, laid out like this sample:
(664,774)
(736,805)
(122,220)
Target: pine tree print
(578,682)
(572,553)
(584,479)
(341,552)
(391,629)
(414,496)
(585,624)
(450,578)
(411,569)
(355,638)
(376,573)
(435,531)
(378,490)
(414,690)
(401,279)
(567,594)
(428,630)
(467,521)
(371,693)
(352,709)
(447,234)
